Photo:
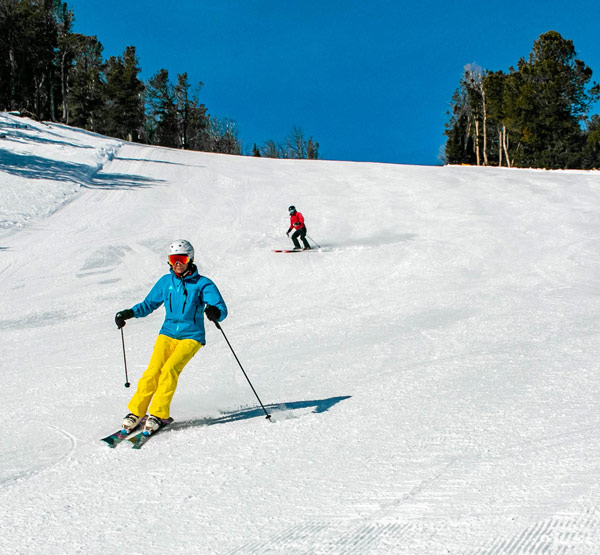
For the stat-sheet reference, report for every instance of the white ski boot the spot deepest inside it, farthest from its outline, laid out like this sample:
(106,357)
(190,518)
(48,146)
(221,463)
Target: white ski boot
(152,424)
(131,421)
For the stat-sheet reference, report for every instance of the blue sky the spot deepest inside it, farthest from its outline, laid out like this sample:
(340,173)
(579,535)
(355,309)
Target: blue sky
(369,80)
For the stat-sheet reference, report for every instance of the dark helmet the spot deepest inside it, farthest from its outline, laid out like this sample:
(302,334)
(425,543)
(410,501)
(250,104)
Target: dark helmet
(291,209)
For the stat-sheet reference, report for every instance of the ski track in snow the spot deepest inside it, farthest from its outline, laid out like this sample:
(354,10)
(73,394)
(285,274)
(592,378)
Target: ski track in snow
(18,463)
(431,370)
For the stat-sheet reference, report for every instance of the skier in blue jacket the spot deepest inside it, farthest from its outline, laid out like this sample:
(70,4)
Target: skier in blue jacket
(187,297)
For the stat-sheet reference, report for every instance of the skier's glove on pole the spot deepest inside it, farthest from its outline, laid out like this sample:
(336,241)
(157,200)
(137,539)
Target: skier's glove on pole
(212,313)
(123,315)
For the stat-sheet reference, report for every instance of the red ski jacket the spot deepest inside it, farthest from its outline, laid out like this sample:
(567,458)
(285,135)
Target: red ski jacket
(296,221)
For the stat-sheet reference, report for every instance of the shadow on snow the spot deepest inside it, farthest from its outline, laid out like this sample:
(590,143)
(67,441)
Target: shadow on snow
(37,167)
(28,137)
(106,180)
(320,405)
(119,158)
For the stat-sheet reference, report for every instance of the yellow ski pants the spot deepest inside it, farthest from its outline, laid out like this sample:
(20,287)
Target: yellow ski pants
(159,381)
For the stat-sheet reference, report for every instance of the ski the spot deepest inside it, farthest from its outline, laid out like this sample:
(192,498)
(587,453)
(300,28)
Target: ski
(292,250)
(114,439)
(139,440)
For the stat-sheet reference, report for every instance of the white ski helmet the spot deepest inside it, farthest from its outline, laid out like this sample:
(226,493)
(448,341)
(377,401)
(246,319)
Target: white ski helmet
(181,246)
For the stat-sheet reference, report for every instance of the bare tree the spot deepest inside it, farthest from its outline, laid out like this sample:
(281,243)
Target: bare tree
(271,149)
(295,143)
(474,77)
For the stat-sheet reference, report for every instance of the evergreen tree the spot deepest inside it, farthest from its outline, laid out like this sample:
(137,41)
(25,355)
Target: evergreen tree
(591,150)
(177,118)
(552,98)
(192,118)
(312,149)
(125,101)
(162,110)
(28,38)
(88,86)
(8,58)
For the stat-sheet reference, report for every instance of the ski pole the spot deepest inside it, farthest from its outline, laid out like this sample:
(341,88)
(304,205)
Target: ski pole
(318,246)
(246,375)
(127,384)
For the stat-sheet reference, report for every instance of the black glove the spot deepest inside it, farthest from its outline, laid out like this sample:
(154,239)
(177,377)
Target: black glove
(123,315)
(212,313)
(288,232)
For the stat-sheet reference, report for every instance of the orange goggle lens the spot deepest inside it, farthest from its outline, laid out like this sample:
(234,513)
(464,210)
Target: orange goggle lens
(181,258)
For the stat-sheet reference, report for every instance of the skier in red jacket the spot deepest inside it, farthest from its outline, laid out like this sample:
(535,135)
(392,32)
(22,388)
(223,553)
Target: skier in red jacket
(297,224)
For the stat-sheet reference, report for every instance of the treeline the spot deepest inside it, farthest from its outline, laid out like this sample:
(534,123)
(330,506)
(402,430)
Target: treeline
(51,73)
(533,116)
(296,145)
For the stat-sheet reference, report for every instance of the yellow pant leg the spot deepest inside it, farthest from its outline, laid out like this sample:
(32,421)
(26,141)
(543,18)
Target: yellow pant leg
(146,387)
(184,350)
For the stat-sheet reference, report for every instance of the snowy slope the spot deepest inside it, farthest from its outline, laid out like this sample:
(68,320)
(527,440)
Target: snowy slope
(432,371)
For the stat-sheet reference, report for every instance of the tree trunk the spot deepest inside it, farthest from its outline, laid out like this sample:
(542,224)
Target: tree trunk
(500,147)
(13,77)
(485,158)
(505,145)
(477,142)
(64,85)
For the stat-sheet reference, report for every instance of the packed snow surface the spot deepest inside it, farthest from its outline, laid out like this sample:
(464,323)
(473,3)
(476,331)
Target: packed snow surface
(432,369)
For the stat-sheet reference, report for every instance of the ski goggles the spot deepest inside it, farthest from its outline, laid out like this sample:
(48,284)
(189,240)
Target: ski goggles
(183,259)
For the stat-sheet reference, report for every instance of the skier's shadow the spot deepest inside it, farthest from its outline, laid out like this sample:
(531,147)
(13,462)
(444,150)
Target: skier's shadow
(275,409)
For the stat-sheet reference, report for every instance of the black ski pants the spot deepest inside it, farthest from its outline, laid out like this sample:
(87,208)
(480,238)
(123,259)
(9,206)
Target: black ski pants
(302,234)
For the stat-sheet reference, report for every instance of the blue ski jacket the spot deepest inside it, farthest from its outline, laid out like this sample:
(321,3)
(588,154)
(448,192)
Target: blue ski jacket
(185,300)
